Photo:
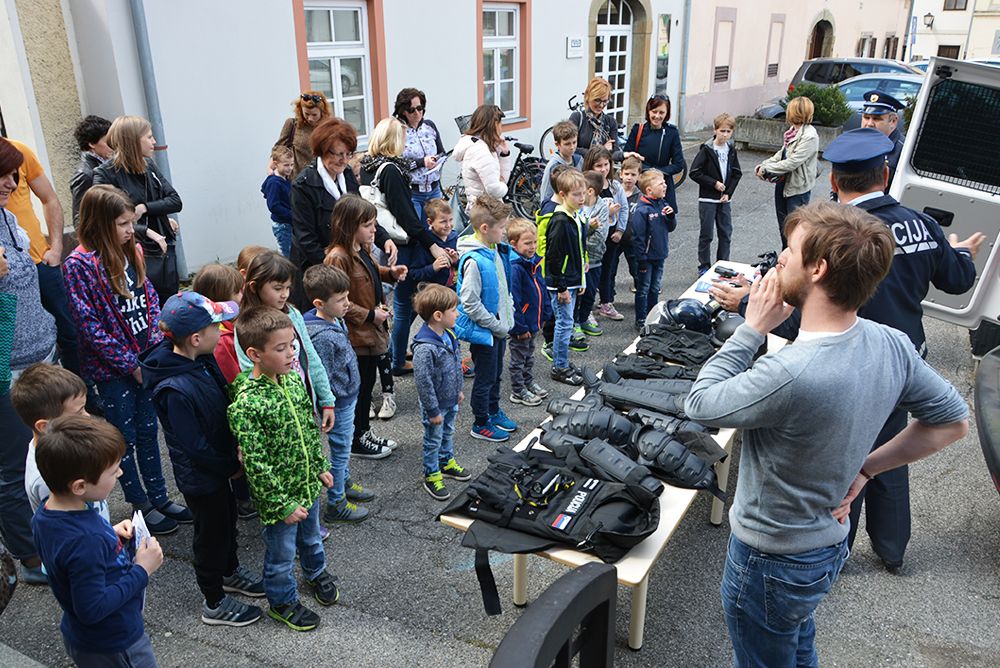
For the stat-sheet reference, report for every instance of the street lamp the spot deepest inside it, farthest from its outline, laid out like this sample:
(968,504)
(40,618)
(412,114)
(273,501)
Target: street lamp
(929,20)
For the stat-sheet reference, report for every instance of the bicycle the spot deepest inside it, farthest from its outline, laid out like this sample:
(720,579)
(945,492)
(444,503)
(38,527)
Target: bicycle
(547,144)
(523,184)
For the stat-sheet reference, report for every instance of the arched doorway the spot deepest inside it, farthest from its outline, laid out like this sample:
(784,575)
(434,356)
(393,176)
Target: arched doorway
(613,54)
(821,40)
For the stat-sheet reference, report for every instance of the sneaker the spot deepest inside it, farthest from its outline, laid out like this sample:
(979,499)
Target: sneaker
(702,270)
(324,533)
(526,398)
(371,413)
(566,375)
(356,493)
(591,328)
(295,616)
(451,469)
(325,588)
(610,312)
(434,486)
(577,332)
(489,432)
(33,575)
(378,440)
(157,523)
(501,420)
(538,390)
(364,449)
(547,351)
(345,511)
(388,406)
(404,370)
(243,581)
(230,612)
(245,509)
(633,289)
(468,370)
(579,344)
(176,512)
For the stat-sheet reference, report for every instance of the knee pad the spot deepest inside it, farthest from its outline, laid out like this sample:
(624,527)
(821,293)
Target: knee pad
(604,424)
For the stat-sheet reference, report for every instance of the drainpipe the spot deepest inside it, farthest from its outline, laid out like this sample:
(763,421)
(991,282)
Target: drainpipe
(968,33)
(682,94)
(151,94)
(907,54)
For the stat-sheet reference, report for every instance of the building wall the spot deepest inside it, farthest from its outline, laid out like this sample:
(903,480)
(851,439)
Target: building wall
(984,38)
(950,28)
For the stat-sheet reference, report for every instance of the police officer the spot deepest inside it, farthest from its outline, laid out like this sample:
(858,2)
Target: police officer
(881,111)
(923,257)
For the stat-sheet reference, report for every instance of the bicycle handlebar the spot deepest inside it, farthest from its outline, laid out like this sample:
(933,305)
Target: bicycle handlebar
(571,103)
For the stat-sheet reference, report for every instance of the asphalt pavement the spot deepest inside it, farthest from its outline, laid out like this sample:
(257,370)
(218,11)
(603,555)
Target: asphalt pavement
(410,595)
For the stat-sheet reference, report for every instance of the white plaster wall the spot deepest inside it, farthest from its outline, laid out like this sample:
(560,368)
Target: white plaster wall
(950,28)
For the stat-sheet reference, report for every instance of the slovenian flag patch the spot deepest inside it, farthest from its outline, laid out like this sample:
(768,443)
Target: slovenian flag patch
(562,521)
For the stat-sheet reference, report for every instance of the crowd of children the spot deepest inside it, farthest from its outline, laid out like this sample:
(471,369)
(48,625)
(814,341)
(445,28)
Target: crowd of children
(250,392)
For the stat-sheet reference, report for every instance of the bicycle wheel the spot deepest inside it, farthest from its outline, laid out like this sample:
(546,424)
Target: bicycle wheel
(547,145)
(526,187)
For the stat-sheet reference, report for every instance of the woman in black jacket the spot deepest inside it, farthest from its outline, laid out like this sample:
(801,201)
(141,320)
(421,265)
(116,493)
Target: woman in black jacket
(658,144)
(384,159)
(132,170)
(594,127)
(316,190)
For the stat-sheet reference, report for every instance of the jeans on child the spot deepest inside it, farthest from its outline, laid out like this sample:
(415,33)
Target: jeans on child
(564,328)
(647,287)
(341,437)
(439,440)
(15,511)
(488,361)
(139,654)
(129,406)
(283,235)
(714,216)
(585,304)
(280,542)
(419,199)
(522,361)
(769,600)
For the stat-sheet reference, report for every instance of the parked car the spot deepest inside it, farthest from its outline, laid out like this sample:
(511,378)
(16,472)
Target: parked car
(830,71)
(899,85)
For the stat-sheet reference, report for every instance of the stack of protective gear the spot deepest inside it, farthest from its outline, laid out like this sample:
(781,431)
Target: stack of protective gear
(592,498)
(672,343)
(641,367)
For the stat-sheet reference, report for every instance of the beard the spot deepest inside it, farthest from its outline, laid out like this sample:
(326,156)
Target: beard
(793,292)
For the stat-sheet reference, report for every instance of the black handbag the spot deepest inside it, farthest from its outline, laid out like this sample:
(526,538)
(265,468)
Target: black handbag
(161,269)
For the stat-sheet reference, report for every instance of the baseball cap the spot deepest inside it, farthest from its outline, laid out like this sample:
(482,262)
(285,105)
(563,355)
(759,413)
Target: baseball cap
(185,313)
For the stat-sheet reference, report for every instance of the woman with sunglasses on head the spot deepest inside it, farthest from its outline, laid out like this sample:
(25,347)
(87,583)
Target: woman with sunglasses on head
(657,144)
(423,146)
(596,128)
(310,108)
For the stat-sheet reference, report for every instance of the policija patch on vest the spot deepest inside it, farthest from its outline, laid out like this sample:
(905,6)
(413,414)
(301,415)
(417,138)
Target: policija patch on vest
(585,492)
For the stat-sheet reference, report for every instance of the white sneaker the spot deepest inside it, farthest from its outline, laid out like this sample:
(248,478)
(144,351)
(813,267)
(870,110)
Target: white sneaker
(388,408)
(371,412)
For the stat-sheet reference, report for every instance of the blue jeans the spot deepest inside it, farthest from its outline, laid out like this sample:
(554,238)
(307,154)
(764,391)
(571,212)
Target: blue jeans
(563,332)
(647,287)
(52,290)
(419,199)
(280,542)
(769,600)
(402,318)
(585,304)
(283,235)
(137,655)
(439,440)
(341,437)
(488,361)
(15,511)
(784,206)
(129,406)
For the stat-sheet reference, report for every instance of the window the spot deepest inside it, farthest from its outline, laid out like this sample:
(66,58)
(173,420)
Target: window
(901,90)
(725,24)
(824,73)
(891,47)
(955,5)
(774,39)
(948,51)
(613,55)
(866,46)
(855,91)
(339,60)
(501,57)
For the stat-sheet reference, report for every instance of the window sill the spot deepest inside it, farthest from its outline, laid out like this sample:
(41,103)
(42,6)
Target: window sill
(515,123)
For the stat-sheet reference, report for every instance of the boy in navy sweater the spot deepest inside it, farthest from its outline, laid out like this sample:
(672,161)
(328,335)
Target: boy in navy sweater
(531,311)
(99,586)
(189,392)
(652,222)
(277,189)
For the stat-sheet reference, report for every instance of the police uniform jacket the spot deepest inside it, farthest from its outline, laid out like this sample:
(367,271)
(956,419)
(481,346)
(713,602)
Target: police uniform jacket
(893,158)
(923,257)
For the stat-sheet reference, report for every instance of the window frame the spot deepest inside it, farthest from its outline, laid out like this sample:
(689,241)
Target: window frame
(723,15)
(955,5)
(334,52)
(775,20)
(496,44)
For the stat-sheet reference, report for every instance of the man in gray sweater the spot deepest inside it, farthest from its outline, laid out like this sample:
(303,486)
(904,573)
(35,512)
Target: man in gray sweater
(810,412)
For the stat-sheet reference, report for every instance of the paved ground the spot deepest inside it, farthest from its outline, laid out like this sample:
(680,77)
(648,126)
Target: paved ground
(410,596)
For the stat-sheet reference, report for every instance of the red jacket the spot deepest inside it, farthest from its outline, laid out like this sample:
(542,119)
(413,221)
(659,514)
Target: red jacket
(225,352)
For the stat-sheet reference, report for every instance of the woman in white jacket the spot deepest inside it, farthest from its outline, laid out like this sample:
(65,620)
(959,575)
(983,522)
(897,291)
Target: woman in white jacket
(484,155)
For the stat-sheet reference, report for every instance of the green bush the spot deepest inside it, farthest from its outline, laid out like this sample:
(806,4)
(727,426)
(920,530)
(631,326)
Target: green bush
(831,106)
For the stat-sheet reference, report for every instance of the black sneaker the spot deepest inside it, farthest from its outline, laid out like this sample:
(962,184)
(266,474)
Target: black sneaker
(356,493)
(295,616)
(367,450)
(230,612)
(547,351)
(176,512)
(434,485)
(157,523)
(370,437)
(325,588)
(245,509)
(452,469)
(244,581)
(566,375)
(579,344)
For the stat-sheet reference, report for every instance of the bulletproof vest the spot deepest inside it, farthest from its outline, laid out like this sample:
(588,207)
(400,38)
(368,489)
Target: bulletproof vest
(675,344)
(640,367)
(534,500)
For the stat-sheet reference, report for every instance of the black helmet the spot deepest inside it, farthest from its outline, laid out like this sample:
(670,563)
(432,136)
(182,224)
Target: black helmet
(687,313)
(725,325)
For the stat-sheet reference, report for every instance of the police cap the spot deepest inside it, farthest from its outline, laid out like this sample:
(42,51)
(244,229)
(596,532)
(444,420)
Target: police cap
(858,150)
(877,103)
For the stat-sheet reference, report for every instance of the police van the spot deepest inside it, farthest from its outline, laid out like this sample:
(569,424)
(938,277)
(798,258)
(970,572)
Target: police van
(950,170)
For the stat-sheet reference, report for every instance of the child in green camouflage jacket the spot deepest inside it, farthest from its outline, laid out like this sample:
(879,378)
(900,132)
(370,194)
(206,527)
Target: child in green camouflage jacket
(272,417)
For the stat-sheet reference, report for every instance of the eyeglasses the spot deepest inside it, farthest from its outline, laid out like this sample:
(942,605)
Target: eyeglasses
(343,155)
(317,99)
(413,110)
(602,103)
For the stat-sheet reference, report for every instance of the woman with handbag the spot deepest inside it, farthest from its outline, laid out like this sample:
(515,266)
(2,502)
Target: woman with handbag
(657,145)
(133,171)
(310,109)
(384,169)
(596,128)
(27,336)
